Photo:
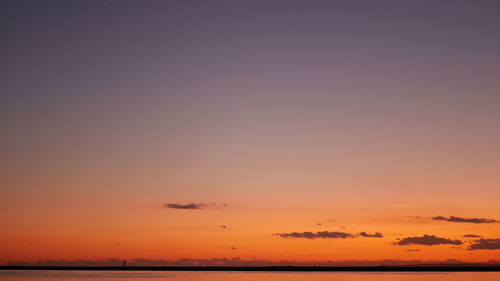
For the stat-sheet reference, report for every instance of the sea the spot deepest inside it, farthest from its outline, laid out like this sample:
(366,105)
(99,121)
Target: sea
(39,275)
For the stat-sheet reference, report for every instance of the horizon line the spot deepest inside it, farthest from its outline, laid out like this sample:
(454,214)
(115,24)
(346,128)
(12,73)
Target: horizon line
(464,267)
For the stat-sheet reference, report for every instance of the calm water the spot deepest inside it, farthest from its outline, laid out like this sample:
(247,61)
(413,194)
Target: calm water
(245,276)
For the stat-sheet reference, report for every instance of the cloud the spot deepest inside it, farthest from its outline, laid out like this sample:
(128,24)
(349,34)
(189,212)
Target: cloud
(188,206)
(485,244)
(316,235)
(374,235)
(415,217)
(467,220)
(223,226)
(472,235)
(413,250)
(428,240)
(327,235)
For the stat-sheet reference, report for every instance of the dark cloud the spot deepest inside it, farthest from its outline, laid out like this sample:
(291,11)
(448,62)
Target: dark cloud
(316,235)
(374,235)
(188,206)
(468,220)
(233,248)
(223,226)
(327,235)
(472,235)
(413,250)
(485,244)
(428,240)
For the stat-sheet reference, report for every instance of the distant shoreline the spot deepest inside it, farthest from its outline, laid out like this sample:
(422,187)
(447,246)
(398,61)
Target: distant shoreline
(426,268)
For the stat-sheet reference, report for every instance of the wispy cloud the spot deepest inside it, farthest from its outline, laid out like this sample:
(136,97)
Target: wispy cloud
(189,206)
(328,235)
(485,244)
(316,235)
(466,220)
(427,240)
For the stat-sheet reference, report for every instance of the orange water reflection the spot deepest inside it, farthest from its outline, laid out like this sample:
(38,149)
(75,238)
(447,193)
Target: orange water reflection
(245,276)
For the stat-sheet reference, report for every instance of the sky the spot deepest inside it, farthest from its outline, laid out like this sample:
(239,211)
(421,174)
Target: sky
(306,131)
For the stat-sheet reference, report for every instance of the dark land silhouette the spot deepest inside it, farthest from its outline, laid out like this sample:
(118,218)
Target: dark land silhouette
(433,268)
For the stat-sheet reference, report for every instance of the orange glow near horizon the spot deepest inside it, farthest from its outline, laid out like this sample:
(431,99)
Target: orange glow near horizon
(74,233)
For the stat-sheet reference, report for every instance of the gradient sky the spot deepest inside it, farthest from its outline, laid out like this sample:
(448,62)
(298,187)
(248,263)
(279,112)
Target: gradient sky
(361,116)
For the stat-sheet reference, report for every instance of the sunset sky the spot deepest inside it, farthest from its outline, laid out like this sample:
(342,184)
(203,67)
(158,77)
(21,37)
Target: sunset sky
(259,130)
